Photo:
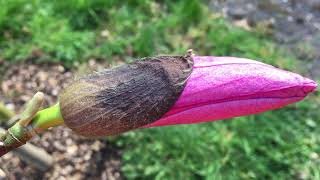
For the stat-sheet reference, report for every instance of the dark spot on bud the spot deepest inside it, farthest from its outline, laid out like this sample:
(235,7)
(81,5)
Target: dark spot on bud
(126,97)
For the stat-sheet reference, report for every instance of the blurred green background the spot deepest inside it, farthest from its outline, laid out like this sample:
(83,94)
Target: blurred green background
(282,144)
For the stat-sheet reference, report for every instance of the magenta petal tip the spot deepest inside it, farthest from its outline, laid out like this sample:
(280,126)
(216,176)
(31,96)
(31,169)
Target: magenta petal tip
(310,87)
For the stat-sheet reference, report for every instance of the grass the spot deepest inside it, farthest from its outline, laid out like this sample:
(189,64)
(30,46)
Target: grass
(281,144)
(72,32)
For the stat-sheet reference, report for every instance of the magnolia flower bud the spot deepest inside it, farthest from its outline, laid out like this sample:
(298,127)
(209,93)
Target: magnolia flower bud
(169,90)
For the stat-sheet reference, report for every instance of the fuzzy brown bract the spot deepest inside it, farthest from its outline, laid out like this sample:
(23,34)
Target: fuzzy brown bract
(126,97)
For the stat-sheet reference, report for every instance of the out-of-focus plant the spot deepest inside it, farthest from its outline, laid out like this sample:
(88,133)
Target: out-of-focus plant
(5,114)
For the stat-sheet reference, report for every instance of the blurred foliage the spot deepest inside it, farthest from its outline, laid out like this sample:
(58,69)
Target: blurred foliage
(77,30)
(282,144)
(5,113)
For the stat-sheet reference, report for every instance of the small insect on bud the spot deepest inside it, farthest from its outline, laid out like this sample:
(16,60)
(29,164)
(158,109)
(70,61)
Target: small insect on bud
(126,97)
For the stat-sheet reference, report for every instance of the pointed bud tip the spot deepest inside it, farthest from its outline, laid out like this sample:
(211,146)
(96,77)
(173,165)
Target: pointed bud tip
(310,86)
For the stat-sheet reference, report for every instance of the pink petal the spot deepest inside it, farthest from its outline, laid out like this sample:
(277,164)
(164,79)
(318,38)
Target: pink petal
(225,87)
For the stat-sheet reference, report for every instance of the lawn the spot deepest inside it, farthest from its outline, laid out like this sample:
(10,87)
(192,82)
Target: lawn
(281,144)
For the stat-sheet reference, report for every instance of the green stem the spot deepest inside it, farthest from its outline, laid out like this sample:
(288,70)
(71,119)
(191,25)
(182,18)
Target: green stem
(47,118)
